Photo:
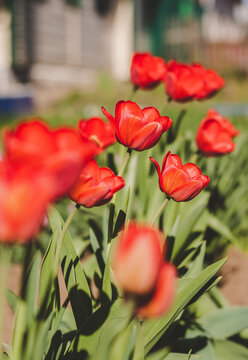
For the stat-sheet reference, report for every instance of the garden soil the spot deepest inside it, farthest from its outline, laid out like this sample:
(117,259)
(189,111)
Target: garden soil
(234,286)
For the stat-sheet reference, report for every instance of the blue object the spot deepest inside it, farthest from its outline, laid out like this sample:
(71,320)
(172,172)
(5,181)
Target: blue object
(16,105)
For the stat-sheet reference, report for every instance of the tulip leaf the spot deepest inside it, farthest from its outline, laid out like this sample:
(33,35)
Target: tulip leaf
(154,329)
(158,355)
(223,323)
(187,222)
(178,356)
(197,265)
(12,299)
(75,279)
(45,281)
(89,334)
(229,350)
(221,228)
(207,353)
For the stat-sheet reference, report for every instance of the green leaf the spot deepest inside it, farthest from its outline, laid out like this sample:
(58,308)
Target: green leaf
(12,299)
(158,355)
(178,356)
(221,228)
(187,222)
(197,265)
(224,323)
(75,279)
(228,350)
(207,353)
(154,329)
(46,272)
(88,337)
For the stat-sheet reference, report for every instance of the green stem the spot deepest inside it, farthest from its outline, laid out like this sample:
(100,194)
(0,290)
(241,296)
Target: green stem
(194,157)
(125,161)
(61,238)
(5,256)
(112,204)
(133,93)
(160,210)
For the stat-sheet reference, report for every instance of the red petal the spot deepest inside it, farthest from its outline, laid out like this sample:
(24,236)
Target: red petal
(187,191)
(150,114)
(164,293)
(192,169)
(159,172)
(173,178)
(171,160)
(110,118)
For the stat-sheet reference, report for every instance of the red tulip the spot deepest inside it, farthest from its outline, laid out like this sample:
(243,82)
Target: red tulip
(95,129)
(24,196)
(135,128)
(187,82)
(180,182)
(147,71)
(95,186)
(182,83)
(61,152)
(214,136)
(141,271)
(212,82)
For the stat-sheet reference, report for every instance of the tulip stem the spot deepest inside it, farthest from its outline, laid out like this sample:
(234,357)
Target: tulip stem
(194,157)
(112,204)
(125,161)
(61,238)
(160,210)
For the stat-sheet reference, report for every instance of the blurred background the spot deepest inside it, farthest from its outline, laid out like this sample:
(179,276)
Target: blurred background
(49,47)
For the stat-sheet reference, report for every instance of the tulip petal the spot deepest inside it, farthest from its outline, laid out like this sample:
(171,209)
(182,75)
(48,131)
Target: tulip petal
(187,191)
(171,159)
(137,259)
(146,137)
(110,117)
(163,295)
(150,114)
(159,172)
(173,178)
(91,196)
(192,169)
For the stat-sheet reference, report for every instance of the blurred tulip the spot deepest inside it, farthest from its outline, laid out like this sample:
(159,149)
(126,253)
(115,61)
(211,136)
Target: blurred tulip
(147,71)
(24,196)
(95,186)
(60,152)
(135,128)
(214,136)
(95,129)
(141,271)
(212,82)
(191,82)
(180,182)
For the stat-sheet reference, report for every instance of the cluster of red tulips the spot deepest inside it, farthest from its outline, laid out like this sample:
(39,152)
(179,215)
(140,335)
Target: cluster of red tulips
(41,164)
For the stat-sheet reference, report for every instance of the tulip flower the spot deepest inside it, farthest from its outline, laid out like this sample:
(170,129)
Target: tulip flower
(214,136)
(212,82)
(60,152)
(180,182)
(98,131)
(136,128)
(147,71)
(24,196)
(191,82)
(95,186)
(141,271)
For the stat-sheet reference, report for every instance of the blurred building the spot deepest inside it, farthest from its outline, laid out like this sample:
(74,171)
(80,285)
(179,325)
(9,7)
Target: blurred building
(69,41)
